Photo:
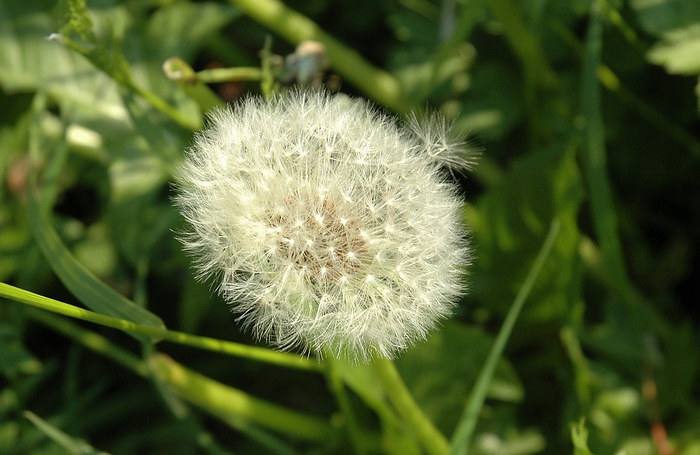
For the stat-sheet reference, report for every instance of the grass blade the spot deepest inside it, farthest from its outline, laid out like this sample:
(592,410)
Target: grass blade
(235,406)
(284,359)
(85,286)
(594,157)
(69,443)
(467,423)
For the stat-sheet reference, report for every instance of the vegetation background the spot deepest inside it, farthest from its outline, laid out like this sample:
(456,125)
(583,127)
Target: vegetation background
(586,112)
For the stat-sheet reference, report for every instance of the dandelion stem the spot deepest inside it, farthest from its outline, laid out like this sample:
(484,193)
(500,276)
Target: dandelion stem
(430,437)
(467,423)
(228,74)
(336,385)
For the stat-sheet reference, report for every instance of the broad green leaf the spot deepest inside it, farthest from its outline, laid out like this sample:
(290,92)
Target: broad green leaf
(661,16)
(30,60)
(77,31)
(677,23)
(679,51)
(171,29)
(106,51)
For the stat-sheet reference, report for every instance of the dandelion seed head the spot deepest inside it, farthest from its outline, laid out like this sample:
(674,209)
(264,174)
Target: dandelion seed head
(325,224)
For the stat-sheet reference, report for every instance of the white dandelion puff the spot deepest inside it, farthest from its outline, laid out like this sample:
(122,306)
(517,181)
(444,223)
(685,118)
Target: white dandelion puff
(325,224)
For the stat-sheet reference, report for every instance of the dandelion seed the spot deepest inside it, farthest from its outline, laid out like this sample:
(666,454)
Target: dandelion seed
(326,225)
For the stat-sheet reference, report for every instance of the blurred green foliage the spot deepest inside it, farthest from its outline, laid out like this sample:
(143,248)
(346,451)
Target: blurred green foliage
(596,127)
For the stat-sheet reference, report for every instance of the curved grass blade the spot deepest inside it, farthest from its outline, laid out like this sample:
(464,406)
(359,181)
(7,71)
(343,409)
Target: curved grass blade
(69,443)
(85,286)
(284,359)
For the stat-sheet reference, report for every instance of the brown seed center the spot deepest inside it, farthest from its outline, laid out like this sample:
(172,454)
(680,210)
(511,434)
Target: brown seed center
(320,235)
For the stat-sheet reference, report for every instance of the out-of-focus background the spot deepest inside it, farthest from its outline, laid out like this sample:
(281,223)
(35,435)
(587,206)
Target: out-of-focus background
(583,111)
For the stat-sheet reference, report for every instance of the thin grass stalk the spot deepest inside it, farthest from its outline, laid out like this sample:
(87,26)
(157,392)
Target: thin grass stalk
(467,423)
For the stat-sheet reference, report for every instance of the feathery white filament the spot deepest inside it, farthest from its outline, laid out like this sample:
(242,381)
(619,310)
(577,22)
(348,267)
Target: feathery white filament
(328,226)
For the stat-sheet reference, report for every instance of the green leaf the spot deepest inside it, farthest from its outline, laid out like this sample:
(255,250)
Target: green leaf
(76,31)
(28,60)
(87,288)
(172,32)
(107,53)
(679,51)
(661,16)
(579,437)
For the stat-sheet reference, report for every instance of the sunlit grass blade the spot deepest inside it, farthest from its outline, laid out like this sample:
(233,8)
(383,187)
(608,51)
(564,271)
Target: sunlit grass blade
(103,346)
(211,344)
(467,423)
(235,406)
(69,443)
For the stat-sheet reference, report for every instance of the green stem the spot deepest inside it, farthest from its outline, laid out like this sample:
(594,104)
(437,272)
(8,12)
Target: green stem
(176,69)
(295,27)
(228,74)
(118,70)
(157,333)
(335,382)
(467,423)
(430,437)
(232,404)
(164,107)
